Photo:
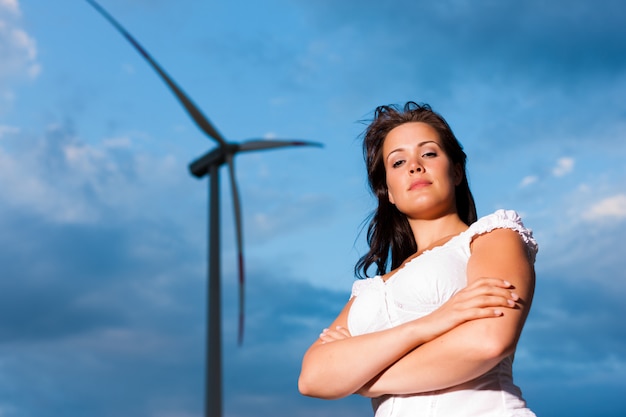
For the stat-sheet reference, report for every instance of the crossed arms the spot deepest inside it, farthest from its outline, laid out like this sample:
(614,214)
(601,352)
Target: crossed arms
(463,339)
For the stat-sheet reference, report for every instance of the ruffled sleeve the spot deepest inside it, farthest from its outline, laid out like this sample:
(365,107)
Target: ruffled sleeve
(506,219)
(361,284)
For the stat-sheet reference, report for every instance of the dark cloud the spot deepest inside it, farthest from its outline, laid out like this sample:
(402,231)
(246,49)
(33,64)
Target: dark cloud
(79,336)
(58,277)
(561,41)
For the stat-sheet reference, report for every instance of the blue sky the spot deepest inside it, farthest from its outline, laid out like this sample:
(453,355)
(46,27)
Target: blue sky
(103,230)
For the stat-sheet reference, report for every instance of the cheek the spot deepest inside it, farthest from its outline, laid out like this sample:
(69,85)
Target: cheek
(389,182)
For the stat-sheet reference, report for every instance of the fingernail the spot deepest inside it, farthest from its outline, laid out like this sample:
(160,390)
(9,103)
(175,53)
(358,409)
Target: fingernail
(514,296)
(507,283)
(497,312)
(511,302)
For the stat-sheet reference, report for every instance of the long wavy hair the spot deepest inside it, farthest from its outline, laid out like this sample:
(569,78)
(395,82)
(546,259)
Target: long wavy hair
(389,235)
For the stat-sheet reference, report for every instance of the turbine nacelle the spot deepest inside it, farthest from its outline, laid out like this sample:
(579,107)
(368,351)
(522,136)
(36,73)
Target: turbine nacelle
(221,154)
(217,156)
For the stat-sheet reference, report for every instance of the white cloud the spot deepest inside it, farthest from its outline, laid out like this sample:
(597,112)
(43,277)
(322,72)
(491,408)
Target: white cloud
(18,50)
(67,180)
(118,142)
(563,166)
(610,208)
(11,6)
(8,130)
(526,181)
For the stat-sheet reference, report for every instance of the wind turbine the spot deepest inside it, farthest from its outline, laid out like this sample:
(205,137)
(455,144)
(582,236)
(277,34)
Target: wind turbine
(209,164)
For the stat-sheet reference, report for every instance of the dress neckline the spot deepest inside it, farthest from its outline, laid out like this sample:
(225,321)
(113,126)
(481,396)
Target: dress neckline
(424,252)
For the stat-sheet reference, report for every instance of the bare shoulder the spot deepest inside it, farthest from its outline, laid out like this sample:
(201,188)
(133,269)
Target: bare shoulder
(501,241)
(500,253)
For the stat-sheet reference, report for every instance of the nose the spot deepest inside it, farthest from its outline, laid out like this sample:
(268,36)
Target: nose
(415,167)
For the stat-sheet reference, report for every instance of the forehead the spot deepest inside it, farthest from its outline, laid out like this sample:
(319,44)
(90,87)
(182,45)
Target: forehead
(409,134)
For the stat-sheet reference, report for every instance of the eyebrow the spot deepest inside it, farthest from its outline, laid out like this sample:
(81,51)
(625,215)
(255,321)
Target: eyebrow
(418,145)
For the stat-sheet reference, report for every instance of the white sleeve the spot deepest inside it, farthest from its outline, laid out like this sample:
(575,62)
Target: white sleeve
(507,219)
(359,285)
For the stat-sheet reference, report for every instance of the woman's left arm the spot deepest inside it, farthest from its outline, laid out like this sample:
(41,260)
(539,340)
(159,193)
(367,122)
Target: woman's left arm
(473,348)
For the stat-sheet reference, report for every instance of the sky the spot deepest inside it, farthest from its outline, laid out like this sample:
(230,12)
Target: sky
(103,231)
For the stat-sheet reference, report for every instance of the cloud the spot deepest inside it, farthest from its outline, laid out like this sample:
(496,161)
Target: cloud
(528,180)
(64,179)
(77,226)
(18,49)
(611,208)
(104,281)
(285,213)
(8,130)
(563,167)
(494,40)
(88,295)
(11,6)
(83,311)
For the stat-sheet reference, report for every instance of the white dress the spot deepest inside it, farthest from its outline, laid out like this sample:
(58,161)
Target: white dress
(420,287)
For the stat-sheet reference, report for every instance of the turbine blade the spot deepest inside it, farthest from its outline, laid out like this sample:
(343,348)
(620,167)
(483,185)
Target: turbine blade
(239,236)
(200,119)
(261,144)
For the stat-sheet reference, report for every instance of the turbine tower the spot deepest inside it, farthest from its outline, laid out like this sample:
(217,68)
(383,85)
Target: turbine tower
(209,164)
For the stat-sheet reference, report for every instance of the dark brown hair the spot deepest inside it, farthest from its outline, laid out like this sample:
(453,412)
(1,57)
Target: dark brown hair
(388,233)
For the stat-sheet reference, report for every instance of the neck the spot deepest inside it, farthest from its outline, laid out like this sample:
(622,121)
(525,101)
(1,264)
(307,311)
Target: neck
(428,232)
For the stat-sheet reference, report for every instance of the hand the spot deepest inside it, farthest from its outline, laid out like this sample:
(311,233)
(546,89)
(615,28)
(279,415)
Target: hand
(332,335)
(485,298)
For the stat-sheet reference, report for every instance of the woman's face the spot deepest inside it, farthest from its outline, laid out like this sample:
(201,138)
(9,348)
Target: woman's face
(421,179)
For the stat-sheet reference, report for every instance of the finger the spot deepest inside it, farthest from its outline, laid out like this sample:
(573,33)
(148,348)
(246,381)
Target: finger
(486,288)
(331,335)
(492,301)
(343,331)
(492,281)
(484,300)
(338,333)
(483,313)
(326,336)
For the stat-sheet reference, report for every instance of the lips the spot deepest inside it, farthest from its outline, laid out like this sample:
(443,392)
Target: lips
(419,184)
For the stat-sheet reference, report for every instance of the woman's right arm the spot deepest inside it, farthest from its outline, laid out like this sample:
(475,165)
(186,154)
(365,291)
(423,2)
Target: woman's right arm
(341,366)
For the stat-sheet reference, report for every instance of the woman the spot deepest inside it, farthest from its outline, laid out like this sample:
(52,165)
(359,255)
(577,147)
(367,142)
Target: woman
(435,336)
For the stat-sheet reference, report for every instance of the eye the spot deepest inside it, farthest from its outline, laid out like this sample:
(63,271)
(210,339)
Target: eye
(397,163)
(429,154)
